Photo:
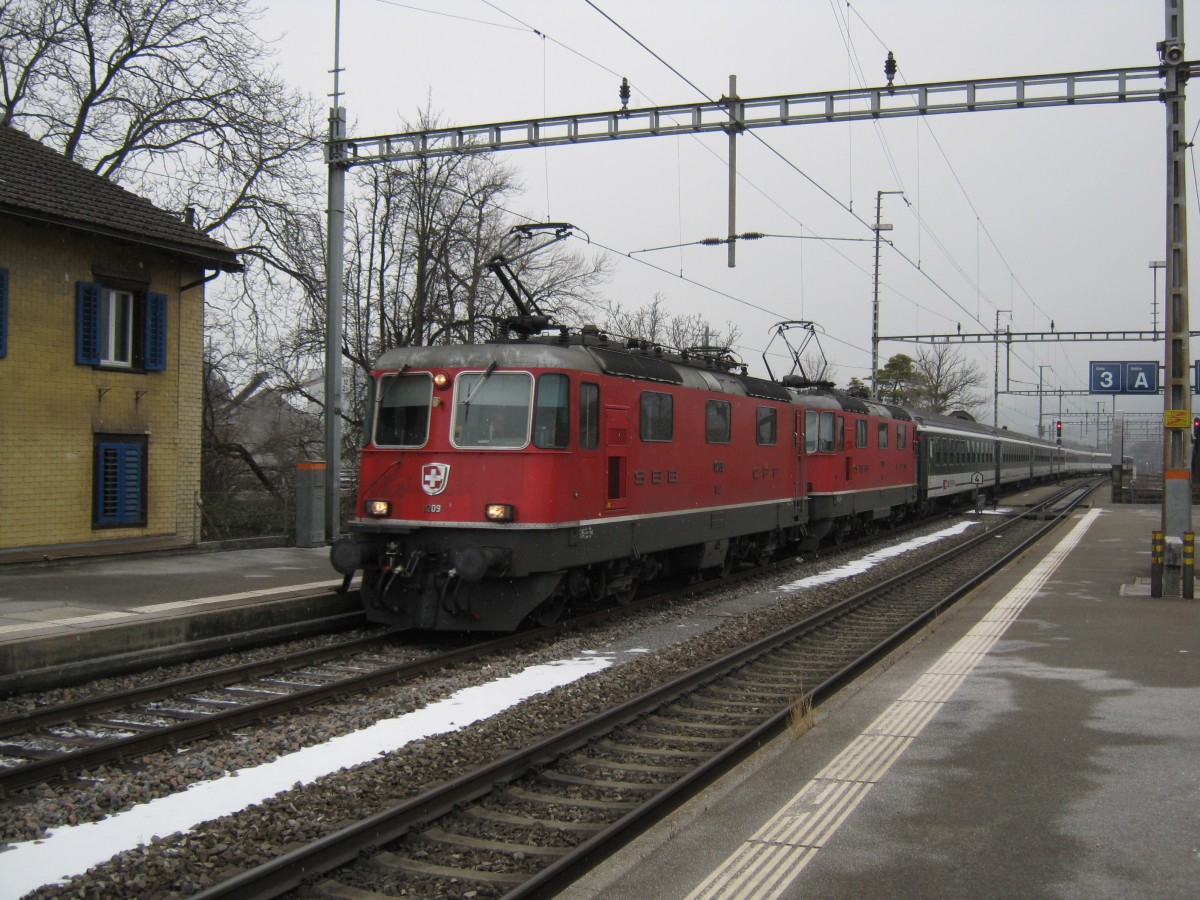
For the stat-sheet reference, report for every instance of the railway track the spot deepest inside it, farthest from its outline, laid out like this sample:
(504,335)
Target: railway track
(57,742)
(533,820)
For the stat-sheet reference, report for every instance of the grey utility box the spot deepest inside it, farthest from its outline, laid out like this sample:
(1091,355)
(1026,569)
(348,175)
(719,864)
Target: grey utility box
(310,504)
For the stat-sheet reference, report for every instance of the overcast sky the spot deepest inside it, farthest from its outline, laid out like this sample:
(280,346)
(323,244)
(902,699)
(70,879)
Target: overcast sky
(1048,215)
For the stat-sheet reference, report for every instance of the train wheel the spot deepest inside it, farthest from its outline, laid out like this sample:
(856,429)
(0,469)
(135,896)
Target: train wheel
(549,612)
(369,587)
(625,595)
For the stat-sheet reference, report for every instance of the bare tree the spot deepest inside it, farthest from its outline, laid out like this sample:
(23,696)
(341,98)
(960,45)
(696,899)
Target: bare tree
(947,380)
(653,322)
(818,369)
(176,99)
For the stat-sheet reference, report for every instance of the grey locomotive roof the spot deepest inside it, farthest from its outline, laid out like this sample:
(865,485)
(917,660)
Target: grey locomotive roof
(39,184)
(522,355)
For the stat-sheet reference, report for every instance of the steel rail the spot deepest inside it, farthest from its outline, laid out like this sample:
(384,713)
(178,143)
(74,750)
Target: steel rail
(288,871)
(51,768)
(67,763)
(67,712)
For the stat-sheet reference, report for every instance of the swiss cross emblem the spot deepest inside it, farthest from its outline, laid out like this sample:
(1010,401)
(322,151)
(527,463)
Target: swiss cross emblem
(434,477)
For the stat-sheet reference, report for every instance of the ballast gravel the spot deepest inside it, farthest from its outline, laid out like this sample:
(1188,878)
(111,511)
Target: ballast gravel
(183,864)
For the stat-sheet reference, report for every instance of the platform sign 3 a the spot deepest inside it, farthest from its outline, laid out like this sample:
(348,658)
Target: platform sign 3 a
(1121,377)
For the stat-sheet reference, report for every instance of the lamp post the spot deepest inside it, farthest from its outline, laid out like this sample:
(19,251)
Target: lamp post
(879,226)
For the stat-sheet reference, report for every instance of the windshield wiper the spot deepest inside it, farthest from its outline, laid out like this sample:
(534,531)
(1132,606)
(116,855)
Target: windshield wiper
(475,390)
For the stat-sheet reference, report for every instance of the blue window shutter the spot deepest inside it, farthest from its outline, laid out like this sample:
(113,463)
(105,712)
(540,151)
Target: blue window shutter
(131,483)
(3,313)
(119,480)
(156,332)
(87,323)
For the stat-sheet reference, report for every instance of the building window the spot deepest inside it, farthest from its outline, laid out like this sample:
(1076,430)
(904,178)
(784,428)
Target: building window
(768,426)
(657,421)
(717,428)
(116,328)
(120,474)
(120,328)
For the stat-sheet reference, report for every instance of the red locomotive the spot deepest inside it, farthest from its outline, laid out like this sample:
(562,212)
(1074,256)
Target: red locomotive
(503,481)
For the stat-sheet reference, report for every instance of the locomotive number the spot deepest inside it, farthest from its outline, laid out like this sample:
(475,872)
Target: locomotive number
(433,507)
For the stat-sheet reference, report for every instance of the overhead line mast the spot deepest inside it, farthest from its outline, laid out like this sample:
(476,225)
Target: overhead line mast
(1177,435)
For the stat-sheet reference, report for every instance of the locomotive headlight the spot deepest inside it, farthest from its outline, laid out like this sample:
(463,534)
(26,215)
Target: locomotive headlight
(377,509)
(499,512)
(441,380)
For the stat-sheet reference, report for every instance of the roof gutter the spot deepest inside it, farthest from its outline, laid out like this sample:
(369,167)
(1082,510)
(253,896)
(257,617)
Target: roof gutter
(199,281)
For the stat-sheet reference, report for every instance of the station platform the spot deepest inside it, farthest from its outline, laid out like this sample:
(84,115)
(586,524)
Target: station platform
(57,619)
(1043,740)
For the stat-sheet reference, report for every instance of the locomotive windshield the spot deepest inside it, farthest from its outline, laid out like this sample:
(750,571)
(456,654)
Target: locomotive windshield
(403,419)
(491,409)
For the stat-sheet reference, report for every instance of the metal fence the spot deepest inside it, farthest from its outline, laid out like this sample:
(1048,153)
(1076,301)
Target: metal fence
(232,515)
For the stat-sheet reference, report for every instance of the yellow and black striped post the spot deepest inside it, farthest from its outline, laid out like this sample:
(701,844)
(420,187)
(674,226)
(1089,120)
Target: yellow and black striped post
(1189,565)
(1156,564)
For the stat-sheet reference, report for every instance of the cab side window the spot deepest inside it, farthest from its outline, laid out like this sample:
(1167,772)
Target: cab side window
(657,420)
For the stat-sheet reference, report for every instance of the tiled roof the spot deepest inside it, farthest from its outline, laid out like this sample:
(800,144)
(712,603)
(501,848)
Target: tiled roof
(39,183)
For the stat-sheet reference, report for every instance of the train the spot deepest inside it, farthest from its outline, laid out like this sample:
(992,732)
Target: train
(502,482)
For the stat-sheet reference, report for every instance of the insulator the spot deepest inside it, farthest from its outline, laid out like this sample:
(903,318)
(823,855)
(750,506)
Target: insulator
(625,93)
(889,67)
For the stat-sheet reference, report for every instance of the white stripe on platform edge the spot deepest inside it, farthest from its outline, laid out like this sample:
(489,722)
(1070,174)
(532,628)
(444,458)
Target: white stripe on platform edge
(775,855)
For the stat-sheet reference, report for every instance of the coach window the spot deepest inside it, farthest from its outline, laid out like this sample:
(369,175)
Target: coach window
(810,432)
(491,409)
(657,416)
(403,418)
(825,442)
(717,426)
(860,433)
(901,437)
(552,412)
(589,416)
(883,435)
(767,426)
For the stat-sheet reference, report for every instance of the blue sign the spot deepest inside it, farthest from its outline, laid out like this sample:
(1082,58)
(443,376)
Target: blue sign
(1141,378)
(1106,378)
(1124,377)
